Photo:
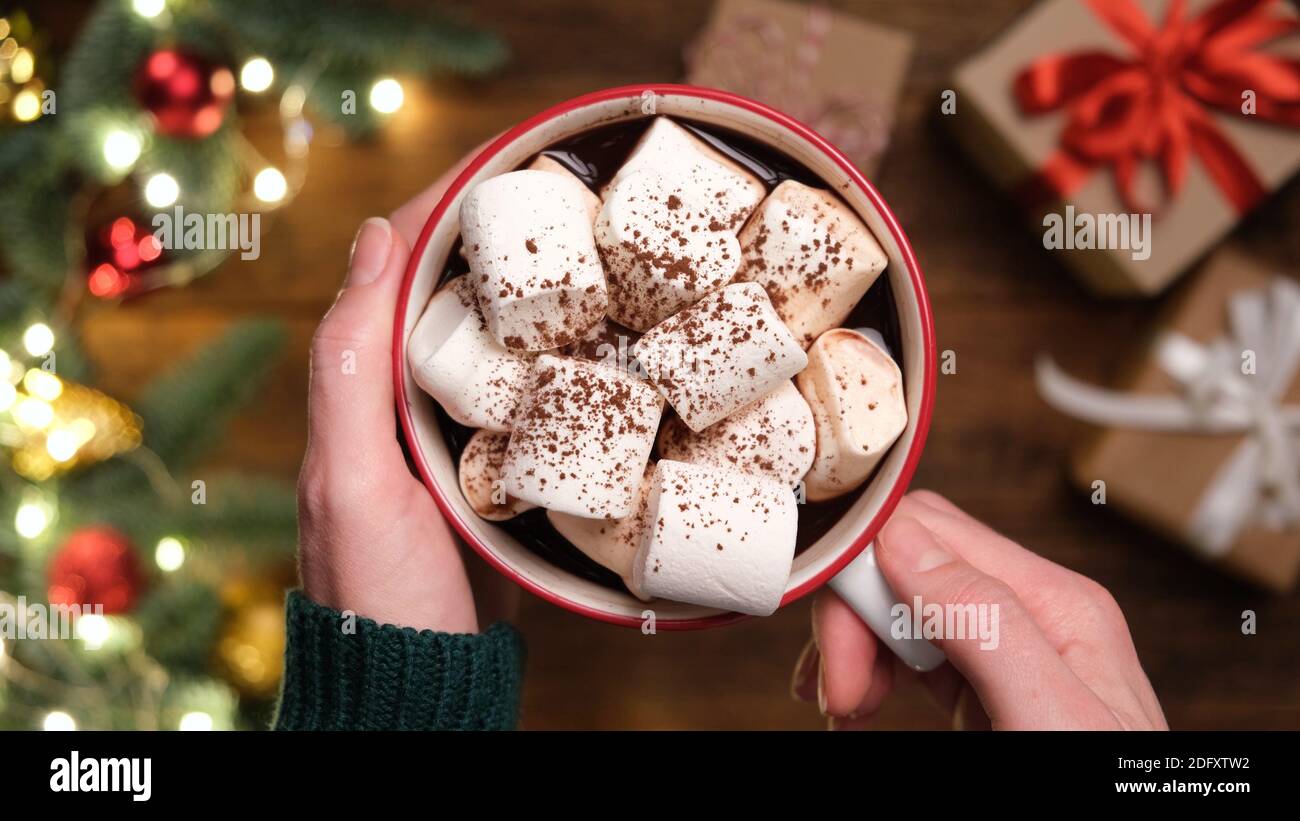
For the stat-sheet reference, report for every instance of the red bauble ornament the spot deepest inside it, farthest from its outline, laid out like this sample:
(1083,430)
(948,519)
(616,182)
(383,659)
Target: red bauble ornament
(186,94)
(96,565)
(116,253)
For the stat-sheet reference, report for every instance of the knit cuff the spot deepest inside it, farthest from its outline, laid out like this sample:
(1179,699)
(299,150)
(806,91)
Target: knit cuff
(382,677)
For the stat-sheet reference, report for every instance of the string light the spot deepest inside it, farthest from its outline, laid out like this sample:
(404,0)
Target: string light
(257,75)
(161,190)
(62,444)
(93,630)
(8,393)
(22,67)
(386,96)
(59,721)
(269,185)
(121,149)
(149,8)
(32,413)
(196,721)
(27,105)
(38,339)
(31,520)
(42,385)
(169,554)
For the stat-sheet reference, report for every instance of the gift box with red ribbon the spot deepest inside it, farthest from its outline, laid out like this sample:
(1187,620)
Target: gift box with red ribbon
(1136,133)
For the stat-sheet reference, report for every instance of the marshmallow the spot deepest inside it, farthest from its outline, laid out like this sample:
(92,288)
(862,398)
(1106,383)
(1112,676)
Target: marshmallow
(610,543)
(661,247)
(457,362)
(590,201)
(667,148)
(772,437)
(582,438)
(716,537)
(720,354)
(480,477)
(532,259)
(813,255)
(855,391)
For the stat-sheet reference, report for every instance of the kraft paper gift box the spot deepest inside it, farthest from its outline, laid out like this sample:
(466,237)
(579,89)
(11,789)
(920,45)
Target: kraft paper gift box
(839,74)
(1194,486)
(1113,107)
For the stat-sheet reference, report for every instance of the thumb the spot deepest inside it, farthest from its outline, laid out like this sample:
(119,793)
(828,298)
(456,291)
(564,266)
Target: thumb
(1020,678)
(350,403)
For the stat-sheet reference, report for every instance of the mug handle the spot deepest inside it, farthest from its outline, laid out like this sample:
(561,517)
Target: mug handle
(863,587)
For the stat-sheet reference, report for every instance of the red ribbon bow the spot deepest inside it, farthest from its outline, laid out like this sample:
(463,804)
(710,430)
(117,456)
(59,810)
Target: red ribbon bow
(1152,105)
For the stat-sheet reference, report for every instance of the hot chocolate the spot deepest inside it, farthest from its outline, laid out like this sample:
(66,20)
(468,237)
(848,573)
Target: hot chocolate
(711,245)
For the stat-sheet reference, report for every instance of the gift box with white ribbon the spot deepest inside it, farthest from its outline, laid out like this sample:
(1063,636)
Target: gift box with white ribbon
(1202,441)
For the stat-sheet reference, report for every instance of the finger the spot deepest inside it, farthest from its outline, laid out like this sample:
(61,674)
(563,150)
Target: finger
(882,684)
(939,502)
(848,652)
(1064,604)
(803,682)
(350,404)
(1028,573)
(1021,680)
(409,219)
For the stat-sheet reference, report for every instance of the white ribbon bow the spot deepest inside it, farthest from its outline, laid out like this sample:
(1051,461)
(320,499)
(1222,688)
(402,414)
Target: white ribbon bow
(1220,393)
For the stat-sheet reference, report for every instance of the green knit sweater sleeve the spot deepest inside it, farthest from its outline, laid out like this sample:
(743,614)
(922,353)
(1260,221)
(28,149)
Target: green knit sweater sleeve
(345,675)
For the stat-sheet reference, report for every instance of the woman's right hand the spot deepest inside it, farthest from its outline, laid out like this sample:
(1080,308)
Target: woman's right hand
(1063,657)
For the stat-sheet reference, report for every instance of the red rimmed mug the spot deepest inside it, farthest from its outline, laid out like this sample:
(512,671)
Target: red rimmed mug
(841,557)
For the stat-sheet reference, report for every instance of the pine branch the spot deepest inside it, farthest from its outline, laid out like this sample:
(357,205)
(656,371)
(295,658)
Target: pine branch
(34,204)
(208,171)
(70,358)
(185,411)
(255,515)
(24,146)
(200,694)
(179,621)
(246,513)
(369,37)
(326,96)
(100,67)
(17,297)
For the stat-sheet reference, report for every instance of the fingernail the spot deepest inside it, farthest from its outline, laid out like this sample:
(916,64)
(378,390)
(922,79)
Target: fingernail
(853,722)
(369,252)
(802,681)
(821,687)
(913,545)
(968,713)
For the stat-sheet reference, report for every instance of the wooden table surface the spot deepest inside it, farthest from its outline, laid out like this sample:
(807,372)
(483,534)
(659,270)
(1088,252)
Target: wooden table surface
(994,448)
